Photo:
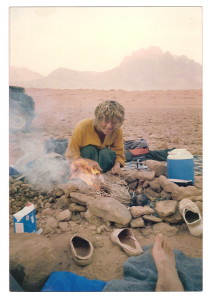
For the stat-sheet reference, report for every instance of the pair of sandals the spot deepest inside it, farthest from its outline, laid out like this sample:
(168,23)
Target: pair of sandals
(82,249)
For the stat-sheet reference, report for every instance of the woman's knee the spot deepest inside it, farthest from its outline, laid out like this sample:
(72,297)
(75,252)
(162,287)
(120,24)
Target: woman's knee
(106,159)
(89,152)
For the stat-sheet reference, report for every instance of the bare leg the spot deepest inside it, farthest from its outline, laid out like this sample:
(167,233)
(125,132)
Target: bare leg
(168,279)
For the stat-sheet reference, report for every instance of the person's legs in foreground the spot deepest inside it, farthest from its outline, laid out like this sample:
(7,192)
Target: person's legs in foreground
(168,279)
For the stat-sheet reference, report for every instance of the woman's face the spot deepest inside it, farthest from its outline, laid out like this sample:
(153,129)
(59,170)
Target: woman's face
(107,126)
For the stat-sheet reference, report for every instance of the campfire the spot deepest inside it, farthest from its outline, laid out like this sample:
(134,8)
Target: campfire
(90,176)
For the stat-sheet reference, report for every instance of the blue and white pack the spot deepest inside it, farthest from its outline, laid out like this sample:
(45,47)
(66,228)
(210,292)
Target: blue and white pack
(25,219)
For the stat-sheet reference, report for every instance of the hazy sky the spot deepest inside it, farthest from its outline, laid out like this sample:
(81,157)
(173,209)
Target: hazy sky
(98,38)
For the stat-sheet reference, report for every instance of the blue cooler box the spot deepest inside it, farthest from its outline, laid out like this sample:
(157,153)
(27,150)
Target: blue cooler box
(25,219)
(180,165)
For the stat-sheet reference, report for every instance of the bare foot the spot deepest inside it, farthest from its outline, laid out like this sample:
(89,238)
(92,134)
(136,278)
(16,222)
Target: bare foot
(168,279)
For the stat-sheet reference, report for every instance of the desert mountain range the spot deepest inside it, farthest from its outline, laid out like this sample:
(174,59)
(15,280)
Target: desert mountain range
(145,69)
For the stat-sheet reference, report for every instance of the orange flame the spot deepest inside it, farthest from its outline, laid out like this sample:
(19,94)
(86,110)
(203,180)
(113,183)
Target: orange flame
(91,176)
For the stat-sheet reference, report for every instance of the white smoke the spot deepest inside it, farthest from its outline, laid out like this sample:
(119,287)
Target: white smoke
(41,168)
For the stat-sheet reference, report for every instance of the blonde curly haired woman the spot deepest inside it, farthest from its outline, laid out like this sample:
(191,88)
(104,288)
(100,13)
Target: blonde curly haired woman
(98,143)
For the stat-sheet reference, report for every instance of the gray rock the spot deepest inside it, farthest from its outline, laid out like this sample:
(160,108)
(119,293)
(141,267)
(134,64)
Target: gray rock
(110,209)
(138,222)
(186,192)
(175,218)
(47,212)
(166,195)
(160,168)
(155,185)
(168,186)
(92,219)
(198,182)
(196,198)
(145,185)
(63,201)
(59,192)
(146,175)
(82,199)
(151,194)
(64,215)
(152,219)
(77,208)
(166,208)
(132,175)
(64,226)
(32,259)
(138,211)
(51,222)
(47,230)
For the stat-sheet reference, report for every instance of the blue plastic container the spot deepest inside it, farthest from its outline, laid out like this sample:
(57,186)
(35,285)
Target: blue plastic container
(180,165)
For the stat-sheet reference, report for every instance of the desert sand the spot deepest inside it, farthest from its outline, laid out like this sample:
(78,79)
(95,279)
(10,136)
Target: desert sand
(165,119)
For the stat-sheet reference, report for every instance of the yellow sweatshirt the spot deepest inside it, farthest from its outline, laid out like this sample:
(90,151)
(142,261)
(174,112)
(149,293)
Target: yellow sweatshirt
(84,134)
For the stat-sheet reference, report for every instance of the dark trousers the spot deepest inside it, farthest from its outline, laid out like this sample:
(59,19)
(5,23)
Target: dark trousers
(105,157)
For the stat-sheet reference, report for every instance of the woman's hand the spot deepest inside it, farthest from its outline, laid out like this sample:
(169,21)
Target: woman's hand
(116,169)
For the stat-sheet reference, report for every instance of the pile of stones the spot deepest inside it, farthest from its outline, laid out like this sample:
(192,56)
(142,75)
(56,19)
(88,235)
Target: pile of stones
(65,206)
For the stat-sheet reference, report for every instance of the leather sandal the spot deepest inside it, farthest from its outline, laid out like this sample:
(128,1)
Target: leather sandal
(125,239)
(82,250)
(191,214)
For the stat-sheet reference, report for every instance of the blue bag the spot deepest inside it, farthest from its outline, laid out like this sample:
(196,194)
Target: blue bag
(62,281)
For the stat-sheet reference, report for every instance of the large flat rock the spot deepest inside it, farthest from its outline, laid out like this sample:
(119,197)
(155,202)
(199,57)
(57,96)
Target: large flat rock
(111,210)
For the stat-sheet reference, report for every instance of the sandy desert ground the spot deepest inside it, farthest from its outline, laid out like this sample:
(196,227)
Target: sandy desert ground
(164,119)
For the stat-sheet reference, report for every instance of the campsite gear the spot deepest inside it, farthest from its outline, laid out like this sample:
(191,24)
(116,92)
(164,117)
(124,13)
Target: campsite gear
(191,214)
(82,250)
(125,239)
(198,162)
(181,182)
(136,152)
(135,164)
(135,148)
(140,145)
(139,164)
(62,281)
(180,165)
(159,155)
(25,219)
(13,171)
(138,149)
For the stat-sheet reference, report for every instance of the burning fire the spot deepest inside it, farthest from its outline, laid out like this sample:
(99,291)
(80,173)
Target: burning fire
(89,175)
